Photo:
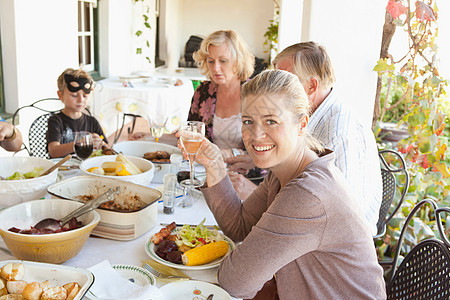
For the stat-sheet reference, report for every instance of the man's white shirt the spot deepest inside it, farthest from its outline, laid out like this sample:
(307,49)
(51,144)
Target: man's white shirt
(338,129)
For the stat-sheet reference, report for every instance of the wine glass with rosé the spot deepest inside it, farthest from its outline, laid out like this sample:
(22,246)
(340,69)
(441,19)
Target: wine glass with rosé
(157,125)
(191,137)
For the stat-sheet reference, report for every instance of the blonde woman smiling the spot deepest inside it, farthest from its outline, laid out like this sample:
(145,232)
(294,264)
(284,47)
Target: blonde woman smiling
(300,224)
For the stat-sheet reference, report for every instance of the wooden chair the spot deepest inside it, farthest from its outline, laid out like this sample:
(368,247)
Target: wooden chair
(388,173)
(37,132)
(425,271)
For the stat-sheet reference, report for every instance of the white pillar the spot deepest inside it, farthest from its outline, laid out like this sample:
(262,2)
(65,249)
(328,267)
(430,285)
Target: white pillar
(291,23)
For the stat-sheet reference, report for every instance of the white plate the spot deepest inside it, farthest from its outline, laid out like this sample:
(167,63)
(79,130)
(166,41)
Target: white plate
(150,250)
(56,274)
(134,274)
(193,289)
(70,162)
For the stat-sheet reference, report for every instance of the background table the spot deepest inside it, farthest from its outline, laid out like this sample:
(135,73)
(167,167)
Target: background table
(114,96)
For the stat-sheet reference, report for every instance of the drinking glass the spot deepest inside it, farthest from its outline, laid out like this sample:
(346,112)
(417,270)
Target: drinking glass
(191,136)
(157,125)
(83,144)
(183,173)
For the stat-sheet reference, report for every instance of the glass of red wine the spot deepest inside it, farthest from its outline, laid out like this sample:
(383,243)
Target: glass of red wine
(184,173)
(83,144)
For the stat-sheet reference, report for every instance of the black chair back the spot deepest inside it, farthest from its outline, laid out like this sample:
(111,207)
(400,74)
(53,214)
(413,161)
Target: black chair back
(37,132)
(388,173)
(425,271)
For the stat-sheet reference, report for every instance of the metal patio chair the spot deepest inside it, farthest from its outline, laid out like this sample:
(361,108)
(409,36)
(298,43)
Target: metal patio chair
(390,181)
(130,129)
(37,133)
(425,271)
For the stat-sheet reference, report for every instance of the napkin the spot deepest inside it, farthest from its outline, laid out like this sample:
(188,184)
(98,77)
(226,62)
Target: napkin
(109,285)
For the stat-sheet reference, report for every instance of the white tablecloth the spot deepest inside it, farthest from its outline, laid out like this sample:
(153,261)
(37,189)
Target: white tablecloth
(142,97)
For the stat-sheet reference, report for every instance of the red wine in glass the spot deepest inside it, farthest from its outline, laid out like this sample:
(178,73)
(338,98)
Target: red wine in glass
(183,175)
(83,144)
(84,151)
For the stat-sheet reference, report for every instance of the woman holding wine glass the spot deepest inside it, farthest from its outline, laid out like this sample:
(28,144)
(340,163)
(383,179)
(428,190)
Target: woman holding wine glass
(295,227)
(74,87)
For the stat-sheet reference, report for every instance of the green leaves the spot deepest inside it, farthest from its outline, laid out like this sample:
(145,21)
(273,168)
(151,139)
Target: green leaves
(143,42)
(382,67)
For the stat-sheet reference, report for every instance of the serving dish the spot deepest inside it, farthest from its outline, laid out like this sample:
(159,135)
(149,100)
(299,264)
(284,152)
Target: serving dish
(144,165)
(134,274)
(193,289)
(55,274)
(113,225)
(50,248)
(150,249)
(17,191)
(139,148)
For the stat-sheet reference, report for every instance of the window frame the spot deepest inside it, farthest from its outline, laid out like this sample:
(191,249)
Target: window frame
(91,34)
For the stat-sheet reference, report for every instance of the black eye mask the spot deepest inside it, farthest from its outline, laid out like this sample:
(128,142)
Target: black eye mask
(76,84)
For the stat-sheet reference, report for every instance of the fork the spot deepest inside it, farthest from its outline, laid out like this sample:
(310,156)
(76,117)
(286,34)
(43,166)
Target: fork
(6,251)
(161,275)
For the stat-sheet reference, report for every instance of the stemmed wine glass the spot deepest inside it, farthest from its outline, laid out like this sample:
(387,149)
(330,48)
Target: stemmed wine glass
(83,144)
(191,136)
(157,125)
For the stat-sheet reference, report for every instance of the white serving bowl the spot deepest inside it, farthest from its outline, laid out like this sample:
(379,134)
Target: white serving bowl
(144,178)
(114,225)
(50,248)
(17,191)
(139,148)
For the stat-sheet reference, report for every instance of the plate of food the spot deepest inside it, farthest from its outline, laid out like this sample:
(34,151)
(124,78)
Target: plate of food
(158,153)
(189,247)
(193,289)
(33,277)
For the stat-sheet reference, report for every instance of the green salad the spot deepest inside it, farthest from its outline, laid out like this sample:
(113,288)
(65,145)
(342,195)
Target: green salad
(194,236)
(20,176)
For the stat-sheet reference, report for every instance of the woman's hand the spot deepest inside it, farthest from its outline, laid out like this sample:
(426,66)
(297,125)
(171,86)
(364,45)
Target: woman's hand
(141,136)
(240,163)
(242,185)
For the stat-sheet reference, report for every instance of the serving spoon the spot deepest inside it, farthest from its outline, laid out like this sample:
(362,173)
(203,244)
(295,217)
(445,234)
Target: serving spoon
(51,224)
(49,170)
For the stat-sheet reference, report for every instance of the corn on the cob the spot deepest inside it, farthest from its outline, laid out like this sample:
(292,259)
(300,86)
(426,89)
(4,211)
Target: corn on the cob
(111,166)
(205,254)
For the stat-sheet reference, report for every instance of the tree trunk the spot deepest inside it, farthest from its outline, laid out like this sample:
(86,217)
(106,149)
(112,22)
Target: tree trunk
(388,33)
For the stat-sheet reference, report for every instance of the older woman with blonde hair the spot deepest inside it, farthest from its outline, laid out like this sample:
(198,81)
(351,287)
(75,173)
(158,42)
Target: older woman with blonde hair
(302,236)
(227,62)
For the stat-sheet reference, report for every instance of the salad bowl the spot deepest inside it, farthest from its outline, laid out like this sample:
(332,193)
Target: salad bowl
(16,191)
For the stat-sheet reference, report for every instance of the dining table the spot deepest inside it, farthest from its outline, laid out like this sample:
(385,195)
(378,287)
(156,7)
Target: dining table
(132,252)
(168,97)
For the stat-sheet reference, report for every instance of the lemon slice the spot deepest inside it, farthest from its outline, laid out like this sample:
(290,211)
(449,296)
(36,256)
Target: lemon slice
(96,170)
(122,171)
